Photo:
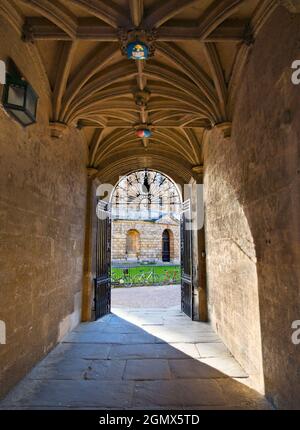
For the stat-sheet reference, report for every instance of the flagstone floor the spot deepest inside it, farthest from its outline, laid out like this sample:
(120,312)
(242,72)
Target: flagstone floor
(137,359)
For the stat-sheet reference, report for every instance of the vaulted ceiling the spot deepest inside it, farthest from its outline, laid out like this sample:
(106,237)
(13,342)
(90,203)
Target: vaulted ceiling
(187,87)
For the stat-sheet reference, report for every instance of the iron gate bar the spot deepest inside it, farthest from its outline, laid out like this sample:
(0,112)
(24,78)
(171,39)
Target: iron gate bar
(103,261)
(186,261)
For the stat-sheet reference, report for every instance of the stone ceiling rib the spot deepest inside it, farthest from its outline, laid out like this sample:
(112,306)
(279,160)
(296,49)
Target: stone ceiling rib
(63,72)
(56,12)
(137,11)
(165,11)
(261,15)
(190,85)
(193,72)
(106,79)
(88,29)
(11,14)
(168,164)
(194,145)
(94,65)
(184,85)
(219,11)
(104,10)
(103,98)
(96,140)
(218,76)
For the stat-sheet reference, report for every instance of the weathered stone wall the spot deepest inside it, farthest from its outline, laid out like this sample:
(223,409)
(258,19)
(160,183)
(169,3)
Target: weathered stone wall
(42,227)
(150,239)
(252,184)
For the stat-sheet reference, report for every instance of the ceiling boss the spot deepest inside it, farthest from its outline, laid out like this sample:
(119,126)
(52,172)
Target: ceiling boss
(138,44)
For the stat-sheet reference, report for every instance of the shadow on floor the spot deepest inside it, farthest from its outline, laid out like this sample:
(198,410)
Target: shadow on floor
(137,359)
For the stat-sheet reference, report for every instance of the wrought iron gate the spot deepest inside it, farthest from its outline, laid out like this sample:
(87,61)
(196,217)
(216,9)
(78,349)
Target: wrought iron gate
(103,261)
(186,260)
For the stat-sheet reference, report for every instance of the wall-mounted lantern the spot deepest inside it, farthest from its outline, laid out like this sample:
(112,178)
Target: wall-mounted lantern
(20,100)
(137,50)
(2,72)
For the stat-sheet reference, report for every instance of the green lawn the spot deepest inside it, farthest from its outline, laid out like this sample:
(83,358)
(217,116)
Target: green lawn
(146,275)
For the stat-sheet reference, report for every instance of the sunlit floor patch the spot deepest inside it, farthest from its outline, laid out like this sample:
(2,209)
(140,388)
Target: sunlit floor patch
(137,359)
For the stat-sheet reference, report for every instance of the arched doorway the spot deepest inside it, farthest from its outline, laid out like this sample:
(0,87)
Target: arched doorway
(166,247)
(149,202)
(132,244)
(144,204)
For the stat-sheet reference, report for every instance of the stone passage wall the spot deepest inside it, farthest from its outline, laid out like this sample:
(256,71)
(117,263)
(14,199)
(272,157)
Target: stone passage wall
(252,184)
(150,240)
(42,220)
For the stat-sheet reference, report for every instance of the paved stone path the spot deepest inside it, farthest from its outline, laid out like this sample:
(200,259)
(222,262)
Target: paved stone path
(137,359)
(147,297)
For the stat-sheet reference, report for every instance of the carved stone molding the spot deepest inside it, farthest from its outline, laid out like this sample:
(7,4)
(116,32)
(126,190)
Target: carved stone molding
(58,129)
(198,169)
(142,97)
(27,33)
(147,36)
(292,6)
(92,171)
(225,128)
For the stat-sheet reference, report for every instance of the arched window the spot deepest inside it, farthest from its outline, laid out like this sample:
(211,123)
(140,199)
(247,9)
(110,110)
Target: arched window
(133,244)
(145,195)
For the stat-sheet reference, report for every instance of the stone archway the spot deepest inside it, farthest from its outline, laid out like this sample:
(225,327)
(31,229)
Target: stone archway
(98,100)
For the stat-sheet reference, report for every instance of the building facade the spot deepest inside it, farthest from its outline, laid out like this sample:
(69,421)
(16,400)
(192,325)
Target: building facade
(155,241)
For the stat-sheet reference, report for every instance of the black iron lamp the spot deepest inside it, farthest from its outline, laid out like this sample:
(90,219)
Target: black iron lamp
(20,100)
